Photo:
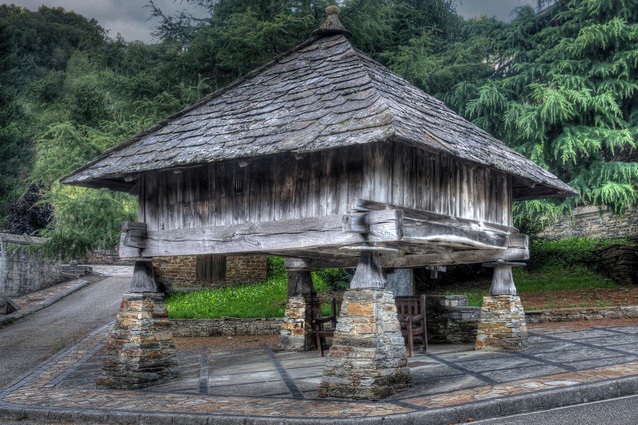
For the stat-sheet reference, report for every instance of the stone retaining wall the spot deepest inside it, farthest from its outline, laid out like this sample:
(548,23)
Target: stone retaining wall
(592,223)
(226,327)
(450,321)
(578,314)
(23,271)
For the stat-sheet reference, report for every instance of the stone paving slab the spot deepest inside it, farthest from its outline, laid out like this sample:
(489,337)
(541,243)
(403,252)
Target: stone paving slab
(258,386)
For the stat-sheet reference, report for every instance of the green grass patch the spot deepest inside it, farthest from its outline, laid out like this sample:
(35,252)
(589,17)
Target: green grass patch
(552,278)
(251,300)
(267,299)
(544,279)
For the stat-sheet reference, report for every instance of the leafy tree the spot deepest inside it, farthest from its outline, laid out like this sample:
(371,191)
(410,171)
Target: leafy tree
(565,95)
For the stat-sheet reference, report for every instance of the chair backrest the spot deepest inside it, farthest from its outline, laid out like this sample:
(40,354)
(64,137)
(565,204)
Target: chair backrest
(410,306)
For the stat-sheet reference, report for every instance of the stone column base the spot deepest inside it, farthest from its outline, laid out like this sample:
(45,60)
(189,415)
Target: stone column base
(502,326)
(296,330)
(141,351)
(368,359)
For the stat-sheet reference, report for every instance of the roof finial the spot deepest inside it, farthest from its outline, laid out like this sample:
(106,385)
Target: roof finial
(332,25)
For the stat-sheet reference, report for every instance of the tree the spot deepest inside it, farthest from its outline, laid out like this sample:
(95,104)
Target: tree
(566,95)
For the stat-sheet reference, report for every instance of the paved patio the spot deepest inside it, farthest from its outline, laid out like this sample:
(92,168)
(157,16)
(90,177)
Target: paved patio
(243,381)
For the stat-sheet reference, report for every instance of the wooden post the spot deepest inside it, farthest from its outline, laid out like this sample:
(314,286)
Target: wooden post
(143,278)
(502,280)
(369,274)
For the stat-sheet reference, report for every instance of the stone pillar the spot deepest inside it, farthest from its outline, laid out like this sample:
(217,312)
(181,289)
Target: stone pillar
(502,326)
(141,351)
(368,359)
(302,308)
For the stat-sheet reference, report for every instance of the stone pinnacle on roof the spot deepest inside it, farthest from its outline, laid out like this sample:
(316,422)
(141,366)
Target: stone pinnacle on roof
(332,25)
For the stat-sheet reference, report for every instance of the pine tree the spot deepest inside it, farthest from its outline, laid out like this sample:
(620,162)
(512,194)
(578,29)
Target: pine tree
(566,95)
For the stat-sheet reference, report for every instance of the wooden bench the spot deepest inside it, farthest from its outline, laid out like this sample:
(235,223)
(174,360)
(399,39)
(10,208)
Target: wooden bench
(411,314)
(319,325)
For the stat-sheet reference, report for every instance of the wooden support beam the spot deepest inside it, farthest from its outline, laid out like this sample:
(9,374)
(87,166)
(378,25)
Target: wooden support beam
(143,278)
(273,236)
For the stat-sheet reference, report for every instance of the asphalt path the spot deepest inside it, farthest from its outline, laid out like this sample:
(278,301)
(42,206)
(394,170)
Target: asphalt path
(33,339)
(619,411)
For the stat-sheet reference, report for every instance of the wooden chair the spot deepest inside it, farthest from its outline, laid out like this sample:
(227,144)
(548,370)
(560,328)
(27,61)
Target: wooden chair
(411,313)
(321,331)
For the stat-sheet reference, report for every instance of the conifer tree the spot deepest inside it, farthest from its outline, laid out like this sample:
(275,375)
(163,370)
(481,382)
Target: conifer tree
(565,94)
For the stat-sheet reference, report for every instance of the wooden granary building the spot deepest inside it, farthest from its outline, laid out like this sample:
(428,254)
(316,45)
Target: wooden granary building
(327,158)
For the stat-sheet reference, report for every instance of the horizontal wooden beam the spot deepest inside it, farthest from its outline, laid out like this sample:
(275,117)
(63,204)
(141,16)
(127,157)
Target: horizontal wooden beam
(447,220)
(422,260)
(281,235)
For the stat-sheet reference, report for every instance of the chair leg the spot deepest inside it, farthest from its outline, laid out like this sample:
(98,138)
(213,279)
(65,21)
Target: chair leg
(410,341)
(318,341)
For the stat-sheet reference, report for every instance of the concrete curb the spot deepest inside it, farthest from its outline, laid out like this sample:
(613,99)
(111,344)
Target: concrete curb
(22,313)
(502,407)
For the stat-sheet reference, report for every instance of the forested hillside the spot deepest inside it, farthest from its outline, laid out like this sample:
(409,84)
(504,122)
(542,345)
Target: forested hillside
(559,86)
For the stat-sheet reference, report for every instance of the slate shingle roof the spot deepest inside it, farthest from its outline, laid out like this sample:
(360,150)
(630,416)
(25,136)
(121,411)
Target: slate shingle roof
(323,94)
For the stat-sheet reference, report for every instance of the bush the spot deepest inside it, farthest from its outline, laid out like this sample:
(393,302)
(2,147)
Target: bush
(568,253)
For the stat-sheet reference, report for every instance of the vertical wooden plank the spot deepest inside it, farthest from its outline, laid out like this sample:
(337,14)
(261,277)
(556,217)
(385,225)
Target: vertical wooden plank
(224,195)
(330,186)
(268,189)
(407,158)
(200,196)
(285,188)
(240,193)
(314,185)
(479,199)
(213,196)
(189,190)
(397,175)
(489,191)
(255,178)
(162,203)
(141,200)
(383,173)
(302,187)
(508,191)
(367,182)
(356,161)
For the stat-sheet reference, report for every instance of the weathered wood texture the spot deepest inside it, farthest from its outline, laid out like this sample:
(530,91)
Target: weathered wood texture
(323,184)
(322,95)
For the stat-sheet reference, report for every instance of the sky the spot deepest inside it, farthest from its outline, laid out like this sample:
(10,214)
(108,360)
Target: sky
(130,18)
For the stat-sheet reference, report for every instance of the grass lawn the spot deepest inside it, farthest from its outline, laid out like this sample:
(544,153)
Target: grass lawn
(266,299)
(549,287)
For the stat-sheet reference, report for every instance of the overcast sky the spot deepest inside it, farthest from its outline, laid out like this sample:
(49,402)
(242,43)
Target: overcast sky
(130,17)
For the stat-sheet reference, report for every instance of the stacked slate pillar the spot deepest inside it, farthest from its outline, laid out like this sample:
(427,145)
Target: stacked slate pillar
(302,308)
(141,351)
(367,359)
(502,326)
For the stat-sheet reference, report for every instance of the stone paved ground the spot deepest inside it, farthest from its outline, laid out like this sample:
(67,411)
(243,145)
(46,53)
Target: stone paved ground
(227,383)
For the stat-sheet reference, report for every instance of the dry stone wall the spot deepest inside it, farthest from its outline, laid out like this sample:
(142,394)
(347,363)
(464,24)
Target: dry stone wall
(180,273)
(22,271)
(592,223)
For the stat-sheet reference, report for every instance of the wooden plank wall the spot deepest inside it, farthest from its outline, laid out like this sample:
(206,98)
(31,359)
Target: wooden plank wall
(320,184)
